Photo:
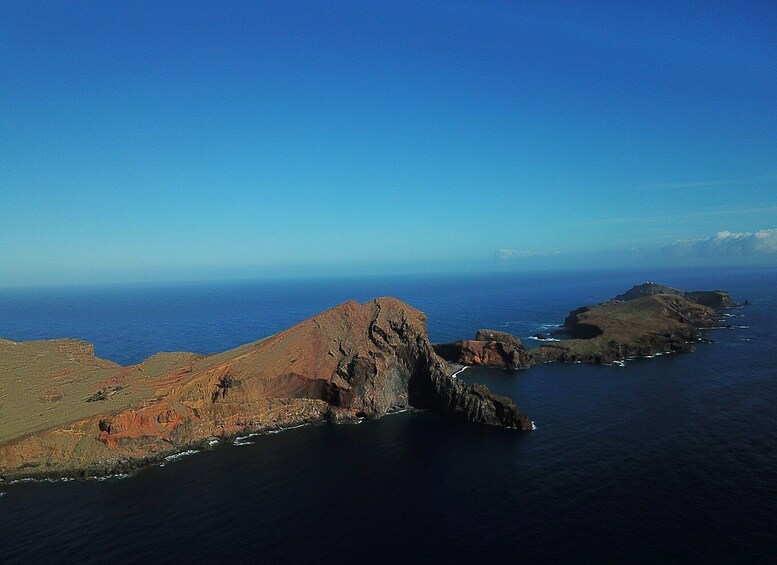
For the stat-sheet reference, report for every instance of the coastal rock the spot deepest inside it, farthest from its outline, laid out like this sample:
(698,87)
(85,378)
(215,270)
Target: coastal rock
(352,361)
(490,348)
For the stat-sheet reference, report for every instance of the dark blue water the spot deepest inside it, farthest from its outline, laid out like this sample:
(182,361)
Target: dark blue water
(672,459)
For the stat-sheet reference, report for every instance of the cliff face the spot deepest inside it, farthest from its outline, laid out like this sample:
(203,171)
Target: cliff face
(355,360)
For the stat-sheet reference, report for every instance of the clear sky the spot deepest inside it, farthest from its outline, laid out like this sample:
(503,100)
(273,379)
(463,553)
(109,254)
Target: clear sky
(186,140)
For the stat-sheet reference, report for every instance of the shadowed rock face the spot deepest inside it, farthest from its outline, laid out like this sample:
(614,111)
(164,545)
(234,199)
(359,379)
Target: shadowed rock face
(355,360)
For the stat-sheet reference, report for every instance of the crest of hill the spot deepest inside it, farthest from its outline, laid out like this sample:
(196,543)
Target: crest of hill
(648,289)
(711,298)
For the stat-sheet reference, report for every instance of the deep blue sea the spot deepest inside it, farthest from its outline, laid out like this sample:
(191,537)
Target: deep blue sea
(665,460)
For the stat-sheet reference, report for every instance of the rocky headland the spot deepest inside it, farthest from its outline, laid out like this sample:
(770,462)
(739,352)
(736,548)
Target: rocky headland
(490,348)
(65,412)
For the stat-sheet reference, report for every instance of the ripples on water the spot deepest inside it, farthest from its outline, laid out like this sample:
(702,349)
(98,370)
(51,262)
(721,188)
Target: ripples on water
(672,459)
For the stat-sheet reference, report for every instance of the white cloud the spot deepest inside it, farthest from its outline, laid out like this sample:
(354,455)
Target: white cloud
(508,255)
(726,244)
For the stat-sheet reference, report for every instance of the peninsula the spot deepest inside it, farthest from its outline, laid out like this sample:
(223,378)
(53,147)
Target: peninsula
(66,413)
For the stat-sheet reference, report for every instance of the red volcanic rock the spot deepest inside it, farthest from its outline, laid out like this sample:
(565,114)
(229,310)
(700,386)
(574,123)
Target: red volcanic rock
(158,421)
(352,361)
(490,348)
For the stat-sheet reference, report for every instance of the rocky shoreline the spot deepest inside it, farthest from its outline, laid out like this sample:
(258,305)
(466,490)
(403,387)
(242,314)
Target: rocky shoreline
(351,362)
(129,467)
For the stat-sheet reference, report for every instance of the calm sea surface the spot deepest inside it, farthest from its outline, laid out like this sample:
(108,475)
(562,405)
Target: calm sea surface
(671,459)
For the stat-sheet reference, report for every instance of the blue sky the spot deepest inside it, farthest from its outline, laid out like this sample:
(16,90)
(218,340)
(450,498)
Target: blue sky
(168,141)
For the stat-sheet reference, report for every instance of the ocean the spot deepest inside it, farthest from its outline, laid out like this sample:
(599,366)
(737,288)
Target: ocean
(665,460)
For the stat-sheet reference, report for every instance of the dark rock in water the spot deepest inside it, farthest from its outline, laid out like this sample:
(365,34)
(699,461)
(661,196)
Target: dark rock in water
(541,336)
(474,402)
(490,348)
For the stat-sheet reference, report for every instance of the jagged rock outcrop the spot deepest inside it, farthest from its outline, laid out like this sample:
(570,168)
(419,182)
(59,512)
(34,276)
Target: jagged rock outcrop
(352,361)
(490,348)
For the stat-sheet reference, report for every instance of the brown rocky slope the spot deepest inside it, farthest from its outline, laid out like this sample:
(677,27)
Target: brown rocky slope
(352,361)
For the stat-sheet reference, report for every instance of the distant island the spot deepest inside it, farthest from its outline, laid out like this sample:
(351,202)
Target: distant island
(647,320)
(67,413)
